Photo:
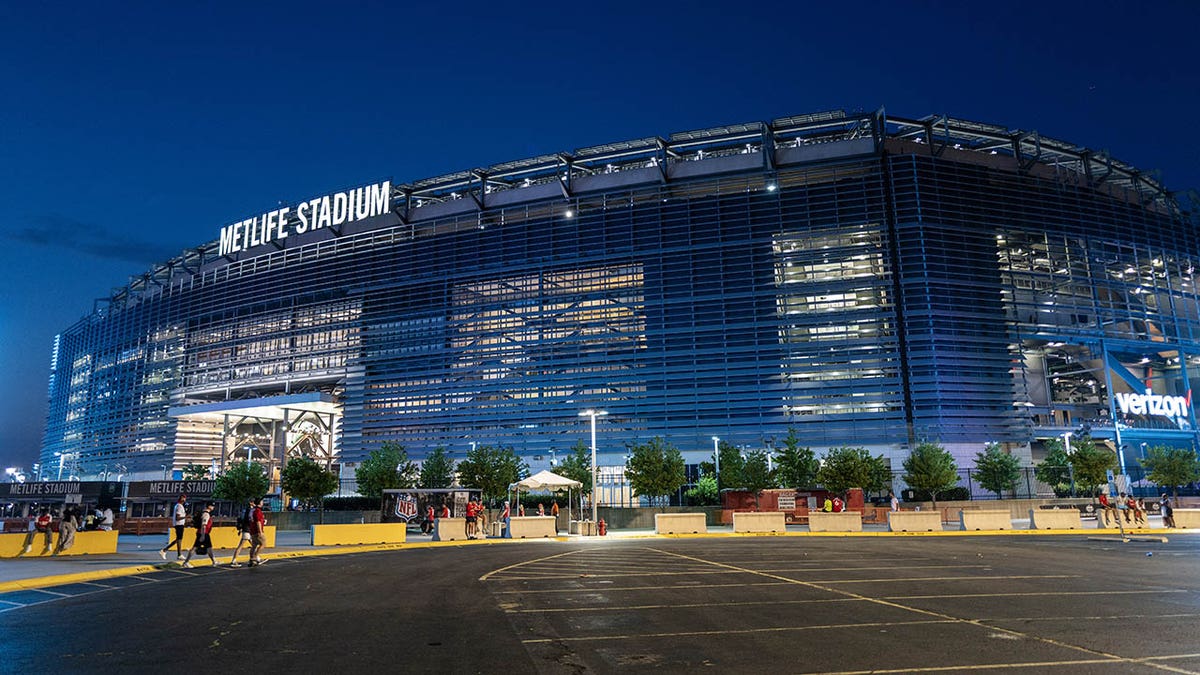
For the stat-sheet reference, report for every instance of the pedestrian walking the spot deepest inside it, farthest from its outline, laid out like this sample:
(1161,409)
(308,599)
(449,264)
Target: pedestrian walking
(66,531)
(243,528)
(179,522)
(894,502)
(258,534)
(1168,512)
(203,545)
(427,523)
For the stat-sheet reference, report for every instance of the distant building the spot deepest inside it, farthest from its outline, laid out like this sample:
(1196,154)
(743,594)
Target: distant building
(867,280)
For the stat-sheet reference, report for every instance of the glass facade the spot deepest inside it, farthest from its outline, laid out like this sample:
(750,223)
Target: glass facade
(865,280)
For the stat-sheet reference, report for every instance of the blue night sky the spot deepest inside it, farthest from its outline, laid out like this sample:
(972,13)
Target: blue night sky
(131,131)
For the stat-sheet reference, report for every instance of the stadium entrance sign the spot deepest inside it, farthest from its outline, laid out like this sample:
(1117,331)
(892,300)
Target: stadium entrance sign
(332,210)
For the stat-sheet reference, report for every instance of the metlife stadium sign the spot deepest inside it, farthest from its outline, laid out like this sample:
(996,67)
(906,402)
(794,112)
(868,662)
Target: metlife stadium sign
(332,210)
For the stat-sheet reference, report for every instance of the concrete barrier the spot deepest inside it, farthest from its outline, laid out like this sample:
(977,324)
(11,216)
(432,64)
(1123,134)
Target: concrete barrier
(1187,518)
(359,533)
(846,521)
(582,527)
(914,521)
(680,523)
(449,529)
(985,519)
(759,521)
(531,527)
(1055,519)
(228,537)
(93,542)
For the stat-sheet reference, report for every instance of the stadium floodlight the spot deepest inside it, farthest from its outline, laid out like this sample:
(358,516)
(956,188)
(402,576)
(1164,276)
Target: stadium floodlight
(771,187)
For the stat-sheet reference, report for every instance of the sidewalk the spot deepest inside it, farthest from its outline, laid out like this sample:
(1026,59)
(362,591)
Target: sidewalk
(134,551)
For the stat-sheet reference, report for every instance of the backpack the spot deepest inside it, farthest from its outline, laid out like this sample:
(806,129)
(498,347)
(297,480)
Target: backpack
(243,521)
(198,519)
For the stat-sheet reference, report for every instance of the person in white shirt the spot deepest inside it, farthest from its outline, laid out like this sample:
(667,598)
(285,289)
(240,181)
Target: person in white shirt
(179,521)
(895,502)
(106,522)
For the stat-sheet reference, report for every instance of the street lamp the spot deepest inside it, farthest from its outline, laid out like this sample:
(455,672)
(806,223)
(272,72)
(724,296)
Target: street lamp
(717,462)
(593,414)
(1070,466)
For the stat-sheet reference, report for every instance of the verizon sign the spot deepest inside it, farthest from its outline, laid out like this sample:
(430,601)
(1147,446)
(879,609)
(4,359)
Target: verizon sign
(1149,403)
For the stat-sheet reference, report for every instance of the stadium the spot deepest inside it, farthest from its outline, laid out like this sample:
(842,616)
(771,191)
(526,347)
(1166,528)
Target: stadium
(866,280)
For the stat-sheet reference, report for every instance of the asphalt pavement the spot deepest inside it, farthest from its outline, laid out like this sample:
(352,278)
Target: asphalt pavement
(1074,603)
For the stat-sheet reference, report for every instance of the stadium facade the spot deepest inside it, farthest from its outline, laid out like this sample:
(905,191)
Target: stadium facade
(867,280)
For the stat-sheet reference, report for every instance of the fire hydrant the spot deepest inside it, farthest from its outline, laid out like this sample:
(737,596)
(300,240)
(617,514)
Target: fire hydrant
(602,527)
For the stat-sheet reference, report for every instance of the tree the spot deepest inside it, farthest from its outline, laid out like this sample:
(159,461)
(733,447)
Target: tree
(1171,467)
(930,468)
(705,492)
(655,469)
(578,466)
(795,467)
(437,471)
(194,472)
(387,468)
(731,465)
(308,481)
(241,481)
(1091,463)
(757,474)
(1055,469)
(491,470)
(846,468)
(996,470)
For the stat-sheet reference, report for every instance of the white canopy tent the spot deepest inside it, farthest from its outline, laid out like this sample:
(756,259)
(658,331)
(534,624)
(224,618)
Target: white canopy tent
(549,481)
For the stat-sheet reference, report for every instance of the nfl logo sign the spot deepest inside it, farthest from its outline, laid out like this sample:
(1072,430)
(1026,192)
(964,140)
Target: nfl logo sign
(406,507)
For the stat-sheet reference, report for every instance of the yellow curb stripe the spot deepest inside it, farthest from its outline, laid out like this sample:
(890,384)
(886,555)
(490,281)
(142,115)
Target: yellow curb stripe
(34,583)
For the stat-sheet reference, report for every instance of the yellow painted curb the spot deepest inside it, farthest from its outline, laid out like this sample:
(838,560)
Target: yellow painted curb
(97,575)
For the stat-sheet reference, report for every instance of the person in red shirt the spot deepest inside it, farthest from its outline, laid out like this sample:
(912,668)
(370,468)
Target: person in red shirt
(1106,510)
(445,513)
(838,505)
(427,524)
(472,515)
(258,534)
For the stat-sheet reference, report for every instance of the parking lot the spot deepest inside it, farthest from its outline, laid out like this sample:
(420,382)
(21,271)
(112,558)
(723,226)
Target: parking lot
(737,604)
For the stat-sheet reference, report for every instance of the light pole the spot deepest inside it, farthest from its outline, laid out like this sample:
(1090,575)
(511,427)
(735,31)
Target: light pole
(717,462)
(1070,466)
(593,414)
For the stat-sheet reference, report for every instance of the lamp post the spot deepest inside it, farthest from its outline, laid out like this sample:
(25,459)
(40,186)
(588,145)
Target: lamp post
(593,414)
(1070,466)
(717,462)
